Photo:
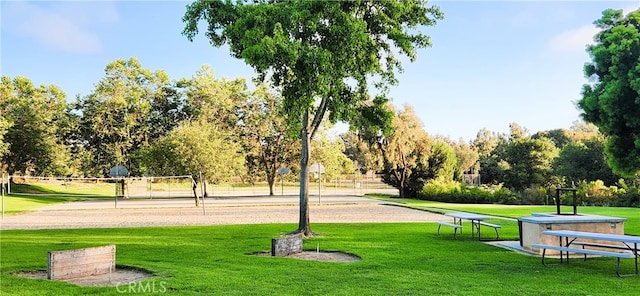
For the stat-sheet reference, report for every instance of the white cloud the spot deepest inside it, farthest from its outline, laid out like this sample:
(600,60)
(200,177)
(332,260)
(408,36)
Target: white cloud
(573,41)
(56,31)
(63,27)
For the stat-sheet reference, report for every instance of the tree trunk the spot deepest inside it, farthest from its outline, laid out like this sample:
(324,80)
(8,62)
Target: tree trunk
(206,192)
(271,181)
(125,189)
(194,187)
(303,225)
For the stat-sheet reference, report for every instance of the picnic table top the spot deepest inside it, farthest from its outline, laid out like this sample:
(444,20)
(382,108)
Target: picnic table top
(468,216)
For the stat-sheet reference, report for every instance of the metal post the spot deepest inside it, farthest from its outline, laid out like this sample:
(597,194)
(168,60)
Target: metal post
(2,189)
(558,201)
(575,209)
(204,212)
(115,195)
(319,184)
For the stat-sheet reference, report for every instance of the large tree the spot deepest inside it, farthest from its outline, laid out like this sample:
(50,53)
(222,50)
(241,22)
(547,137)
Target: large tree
(34,123)
(264,135)
(321,54)
(5,124)
(406,153)
(216,101)
(116,116)
(527,162)
(329,152)
(584,160)
(467,157)
(199,146)
(491,148)
(611,100)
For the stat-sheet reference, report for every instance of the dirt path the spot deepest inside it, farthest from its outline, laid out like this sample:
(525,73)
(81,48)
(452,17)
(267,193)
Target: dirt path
(236,210)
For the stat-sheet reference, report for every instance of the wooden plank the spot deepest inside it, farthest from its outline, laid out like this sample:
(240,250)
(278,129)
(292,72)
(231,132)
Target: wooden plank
(77,253)
(69,264)
(84,259)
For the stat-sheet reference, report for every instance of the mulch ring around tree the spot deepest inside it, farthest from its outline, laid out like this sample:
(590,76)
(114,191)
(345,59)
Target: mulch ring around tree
(325,256)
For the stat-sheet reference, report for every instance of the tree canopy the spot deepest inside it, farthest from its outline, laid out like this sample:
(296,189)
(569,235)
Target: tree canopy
(612,100)
(264,136)
(115,117)
(405,153)
(322,55)
(33,127)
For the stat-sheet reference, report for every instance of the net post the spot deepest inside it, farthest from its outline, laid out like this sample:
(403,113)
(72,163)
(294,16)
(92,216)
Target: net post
(115,195)
(2,189)
(204,211)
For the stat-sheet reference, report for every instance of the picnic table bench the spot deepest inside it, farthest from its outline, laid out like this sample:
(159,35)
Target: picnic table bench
(494,226)
(629,243)
(454,225)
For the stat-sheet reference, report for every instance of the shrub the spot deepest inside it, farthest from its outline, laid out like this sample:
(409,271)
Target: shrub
(628,196)
(456,192)
(595,193)
(534,195)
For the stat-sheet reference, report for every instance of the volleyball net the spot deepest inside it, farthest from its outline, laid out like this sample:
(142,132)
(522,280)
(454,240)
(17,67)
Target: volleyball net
(129,187)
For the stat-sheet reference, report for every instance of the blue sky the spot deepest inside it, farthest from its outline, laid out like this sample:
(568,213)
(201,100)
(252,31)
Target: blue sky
(492,62)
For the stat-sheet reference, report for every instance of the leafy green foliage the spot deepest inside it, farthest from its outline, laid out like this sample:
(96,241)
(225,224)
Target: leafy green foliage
(321,55)
(596,193)
(406,153)
(456,192)
(264,138)
(467,159)
(611,100)
(584,160)
(330,153)
(5,124)
(491,149)
(527,162)
(559,137)
(33,127)
(629,196)
(442,161)
(196,147)
(216,101)
(313,48)
(114,120)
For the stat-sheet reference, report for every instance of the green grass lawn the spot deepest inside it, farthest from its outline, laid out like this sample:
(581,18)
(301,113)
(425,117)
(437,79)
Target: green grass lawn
(23,203)
(38,195)
(397,259)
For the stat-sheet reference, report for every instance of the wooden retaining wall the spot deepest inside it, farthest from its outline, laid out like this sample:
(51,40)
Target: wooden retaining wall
(78,263)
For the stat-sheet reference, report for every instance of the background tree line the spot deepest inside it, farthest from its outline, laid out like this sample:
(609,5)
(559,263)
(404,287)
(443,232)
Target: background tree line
(517,167)
(158,126)
(154,126)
